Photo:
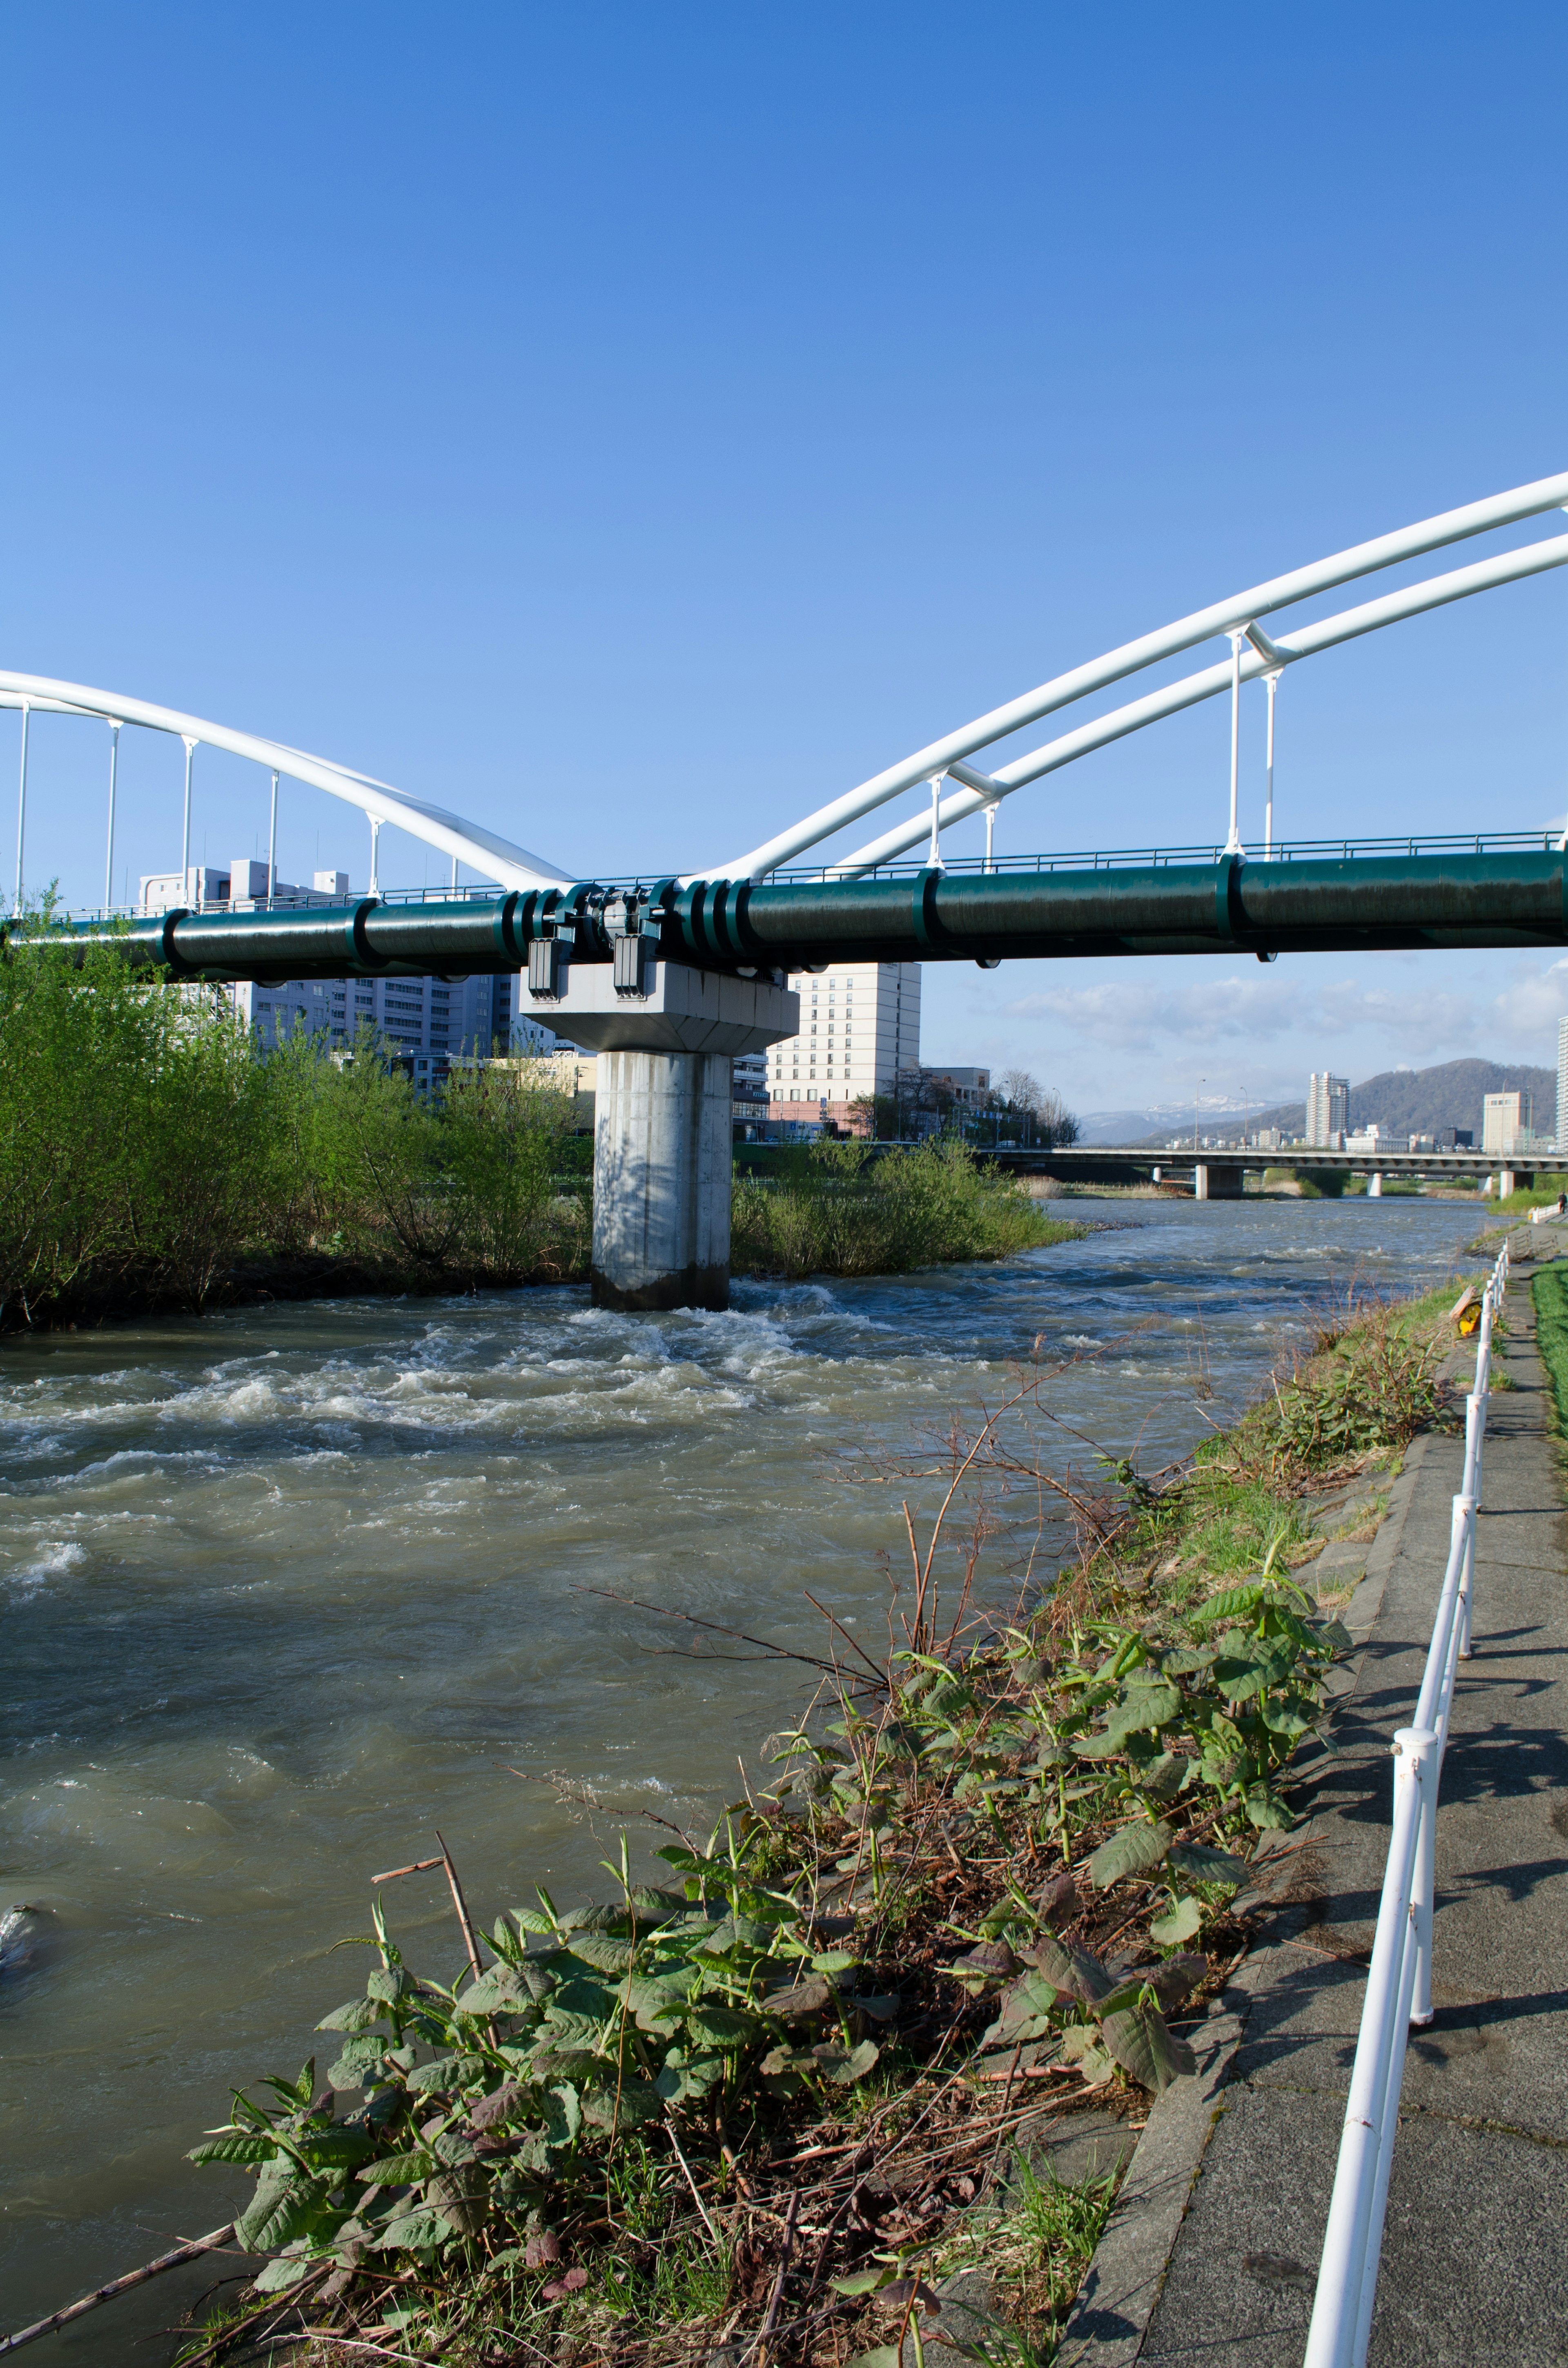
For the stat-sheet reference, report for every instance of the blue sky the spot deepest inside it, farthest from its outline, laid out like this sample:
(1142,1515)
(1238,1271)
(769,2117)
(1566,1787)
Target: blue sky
(634,427)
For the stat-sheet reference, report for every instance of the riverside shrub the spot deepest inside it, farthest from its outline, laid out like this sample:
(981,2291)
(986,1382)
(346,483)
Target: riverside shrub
(146,1151)
(841,1208)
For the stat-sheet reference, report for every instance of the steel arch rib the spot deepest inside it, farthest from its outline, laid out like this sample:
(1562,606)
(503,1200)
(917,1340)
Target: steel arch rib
(1278,592)
(513,866)
(1329,633)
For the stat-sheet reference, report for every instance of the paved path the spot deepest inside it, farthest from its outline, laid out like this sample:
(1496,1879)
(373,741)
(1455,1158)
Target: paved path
(1475,2257)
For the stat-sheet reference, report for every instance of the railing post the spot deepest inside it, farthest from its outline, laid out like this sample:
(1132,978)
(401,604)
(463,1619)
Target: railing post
(1348,2270)
(1422,1773)
(1475,1435)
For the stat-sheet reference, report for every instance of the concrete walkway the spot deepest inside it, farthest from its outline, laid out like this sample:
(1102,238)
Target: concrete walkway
(1476,2256)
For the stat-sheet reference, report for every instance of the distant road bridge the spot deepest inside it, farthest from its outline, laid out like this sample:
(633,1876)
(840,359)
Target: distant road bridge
(670,977)
(1217,1173)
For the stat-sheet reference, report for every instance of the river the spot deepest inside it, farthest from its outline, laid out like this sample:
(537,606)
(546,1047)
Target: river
(284,1589)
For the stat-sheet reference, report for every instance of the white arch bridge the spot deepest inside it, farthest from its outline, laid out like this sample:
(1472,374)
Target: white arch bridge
(673,976)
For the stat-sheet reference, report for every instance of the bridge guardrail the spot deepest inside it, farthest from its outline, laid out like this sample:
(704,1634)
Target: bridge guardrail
(1399,1982)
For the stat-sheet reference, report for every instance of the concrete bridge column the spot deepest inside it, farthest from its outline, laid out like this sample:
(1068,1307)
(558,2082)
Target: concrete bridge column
(666,1036)
(663,1160)
(1218,1180)
(1504,1184)
(1375,1189)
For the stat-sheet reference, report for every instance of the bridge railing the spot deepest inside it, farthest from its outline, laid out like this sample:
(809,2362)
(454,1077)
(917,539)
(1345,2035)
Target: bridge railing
(1399,1983)
(1302,850)
(1305,851)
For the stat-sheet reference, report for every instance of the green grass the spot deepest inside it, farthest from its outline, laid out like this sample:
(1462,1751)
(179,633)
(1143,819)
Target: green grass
(1550,1292)
(1038,2249)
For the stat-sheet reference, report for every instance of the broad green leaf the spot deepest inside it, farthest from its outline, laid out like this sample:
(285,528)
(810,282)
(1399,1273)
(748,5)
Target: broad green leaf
(278,2276)
(1180,1925)
(390,1984)
(1264,1809)
(359,2014)
(1184,1664)
(415,2231)
(499,1990)
(439,2073)
(398,2169)
(1163,1778)
(1239,1681)
(655,2004)
(637,2101)
(844,2068)
(606,1956)
(1209,1865)
(1141,2044)
(564,2115)
(866,2281)
(564,2031)
(244,2146)
(528,1919)
(461,2196)
(580,1994)
(719,2026)
(360,2056)
(681,2079)
(652,1907)
(1144,1708)
(277,2215)
(1131,1850)
(334,2149)
(1077,1972)
(1232,1603)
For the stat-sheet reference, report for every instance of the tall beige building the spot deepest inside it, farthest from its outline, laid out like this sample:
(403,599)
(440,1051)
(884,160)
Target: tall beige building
(1506,1121)
(859,1026)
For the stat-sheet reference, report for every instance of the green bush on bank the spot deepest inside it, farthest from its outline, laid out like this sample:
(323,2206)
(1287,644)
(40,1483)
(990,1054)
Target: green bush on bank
(148,1158)
(145,1153)
(841,1208)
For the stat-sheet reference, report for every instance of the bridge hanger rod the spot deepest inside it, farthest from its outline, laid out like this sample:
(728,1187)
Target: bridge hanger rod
(1279,592)
(513,866)
(977,789)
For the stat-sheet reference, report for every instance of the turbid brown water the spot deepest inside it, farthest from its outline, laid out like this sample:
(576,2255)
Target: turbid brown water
(284,1590)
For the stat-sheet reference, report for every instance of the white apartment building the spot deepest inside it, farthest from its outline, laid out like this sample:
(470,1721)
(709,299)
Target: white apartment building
(427,1019)
(859,1026)
(1328,1109)
(1508,1121)
(1561,1136)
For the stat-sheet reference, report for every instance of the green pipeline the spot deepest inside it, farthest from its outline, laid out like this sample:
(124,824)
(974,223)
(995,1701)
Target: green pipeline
(1441,903)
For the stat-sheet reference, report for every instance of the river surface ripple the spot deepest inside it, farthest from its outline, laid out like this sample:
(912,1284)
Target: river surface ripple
(284,1588)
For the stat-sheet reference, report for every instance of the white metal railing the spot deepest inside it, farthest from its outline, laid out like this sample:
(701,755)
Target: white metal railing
(1399,1983)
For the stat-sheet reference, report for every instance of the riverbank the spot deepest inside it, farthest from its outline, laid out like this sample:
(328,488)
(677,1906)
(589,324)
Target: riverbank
(987,1880)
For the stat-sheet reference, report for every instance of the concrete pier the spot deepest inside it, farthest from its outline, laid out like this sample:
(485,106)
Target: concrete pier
(663,1133)
(1218,1180)
(665,1035)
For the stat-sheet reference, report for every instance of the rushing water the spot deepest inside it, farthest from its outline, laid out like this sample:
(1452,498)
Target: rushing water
(283,1590)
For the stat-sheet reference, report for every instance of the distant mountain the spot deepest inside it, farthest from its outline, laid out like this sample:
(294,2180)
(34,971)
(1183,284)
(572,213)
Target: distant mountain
(1401,1102)
(1163,1119)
